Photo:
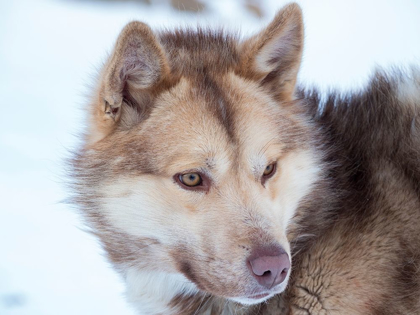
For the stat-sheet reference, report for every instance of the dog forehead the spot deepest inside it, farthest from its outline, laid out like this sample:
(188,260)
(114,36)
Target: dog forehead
(185,130)
(189,113)
(207,121)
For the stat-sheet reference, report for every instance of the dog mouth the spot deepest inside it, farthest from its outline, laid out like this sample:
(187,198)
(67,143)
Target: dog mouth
(260,296)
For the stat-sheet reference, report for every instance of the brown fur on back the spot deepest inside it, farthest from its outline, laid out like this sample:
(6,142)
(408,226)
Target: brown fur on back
(367,260)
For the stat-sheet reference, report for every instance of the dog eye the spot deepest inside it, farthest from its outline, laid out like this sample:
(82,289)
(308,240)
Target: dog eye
(190,179)
(269,170)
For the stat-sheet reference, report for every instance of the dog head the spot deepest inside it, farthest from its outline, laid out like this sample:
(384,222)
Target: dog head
(197,156)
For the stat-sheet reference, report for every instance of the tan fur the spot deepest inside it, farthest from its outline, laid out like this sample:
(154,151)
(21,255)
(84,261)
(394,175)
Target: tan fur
(137,64)
(340,204)
(276,50)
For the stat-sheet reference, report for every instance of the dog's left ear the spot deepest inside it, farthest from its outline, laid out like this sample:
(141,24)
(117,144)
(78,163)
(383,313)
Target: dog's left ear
(273,56)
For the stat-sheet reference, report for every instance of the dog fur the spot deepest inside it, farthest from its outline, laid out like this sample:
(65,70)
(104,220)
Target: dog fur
(343,201)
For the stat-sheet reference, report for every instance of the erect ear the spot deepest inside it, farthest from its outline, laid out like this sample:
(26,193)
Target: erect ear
(273,56)
(134,70)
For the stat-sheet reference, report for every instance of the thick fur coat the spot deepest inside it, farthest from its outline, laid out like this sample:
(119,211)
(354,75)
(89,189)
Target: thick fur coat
(202,162)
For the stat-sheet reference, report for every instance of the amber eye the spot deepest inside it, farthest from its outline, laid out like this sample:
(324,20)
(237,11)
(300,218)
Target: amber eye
(190,179)
(269,170)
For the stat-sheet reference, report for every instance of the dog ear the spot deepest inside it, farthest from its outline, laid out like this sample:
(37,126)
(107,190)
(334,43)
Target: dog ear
(135,68)
(273,56)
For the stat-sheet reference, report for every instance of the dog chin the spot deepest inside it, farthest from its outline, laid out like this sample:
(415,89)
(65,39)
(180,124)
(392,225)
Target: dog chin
(261,297)
(256,299)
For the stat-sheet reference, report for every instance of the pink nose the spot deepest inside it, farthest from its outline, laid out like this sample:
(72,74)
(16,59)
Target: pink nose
(269,266)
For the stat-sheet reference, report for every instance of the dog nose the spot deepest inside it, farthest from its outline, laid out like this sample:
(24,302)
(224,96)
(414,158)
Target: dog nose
(269,270)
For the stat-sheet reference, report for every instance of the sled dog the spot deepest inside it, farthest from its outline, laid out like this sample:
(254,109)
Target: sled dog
(217,186)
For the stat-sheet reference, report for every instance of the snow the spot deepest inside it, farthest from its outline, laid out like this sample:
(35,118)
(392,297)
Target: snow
(49,53)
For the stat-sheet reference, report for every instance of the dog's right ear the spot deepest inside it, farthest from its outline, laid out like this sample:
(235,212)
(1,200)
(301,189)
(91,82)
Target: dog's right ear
(135,68)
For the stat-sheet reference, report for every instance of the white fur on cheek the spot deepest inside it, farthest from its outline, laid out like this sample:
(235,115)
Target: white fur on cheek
(143,207)
(151,292)
(131,206)
(299,171)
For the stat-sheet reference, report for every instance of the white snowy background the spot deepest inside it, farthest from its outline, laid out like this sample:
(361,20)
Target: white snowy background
(49,52)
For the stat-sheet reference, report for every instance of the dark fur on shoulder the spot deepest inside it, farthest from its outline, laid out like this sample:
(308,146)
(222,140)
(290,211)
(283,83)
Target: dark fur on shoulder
(366,258)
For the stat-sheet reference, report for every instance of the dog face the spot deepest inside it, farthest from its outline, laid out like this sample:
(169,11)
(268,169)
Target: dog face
(197,157)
